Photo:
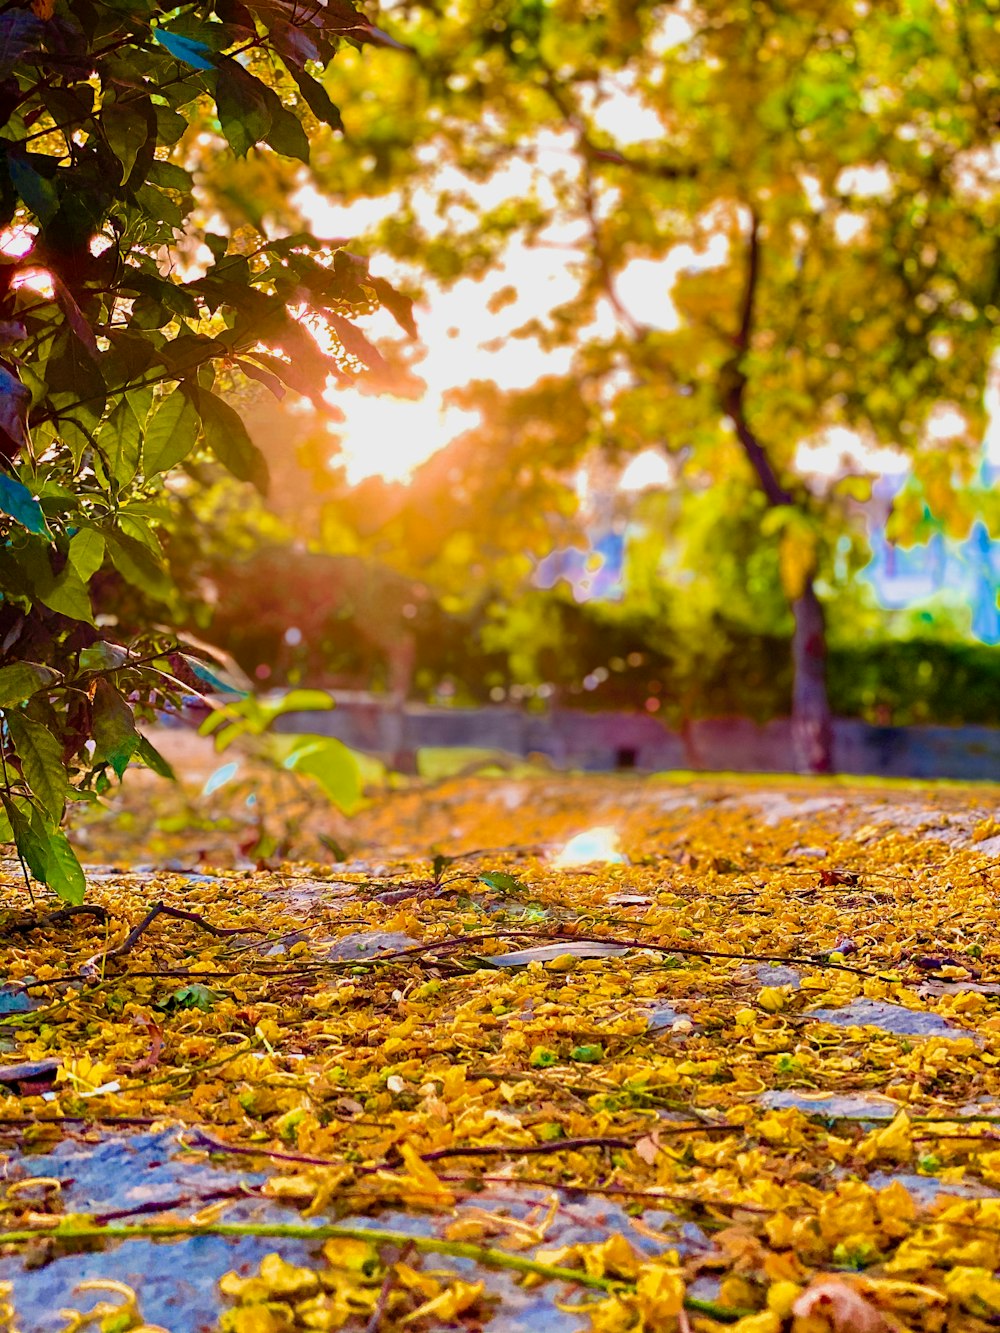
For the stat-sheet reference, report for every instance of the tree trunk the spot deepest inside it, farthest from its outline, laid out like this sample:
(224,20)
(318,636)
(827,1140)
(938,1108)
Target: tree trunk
(811,724)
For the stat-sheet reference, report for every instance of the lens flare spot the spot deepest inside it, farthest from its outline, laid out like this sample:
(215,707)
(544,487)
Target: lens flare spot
(594,844)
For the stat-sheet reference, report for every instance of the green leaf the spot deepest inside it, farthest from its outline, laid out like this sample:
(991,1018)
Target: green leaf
(103,656)
(114,728)
(302,701)
(152,758)
(286,134)
(63,872)
(20,680)
(41,762)
(192,996)
(587,1055)
(357,345)
(120,440)
(67,594)
(170,125)
(497,879)
(18,502)
(227,437)
(37,191)
(171,433)
(29,838)
(542,1058)
(86,552)
(334,767)
(398,305)
(241,102)
(138,566)
(127,131)
(316,98)
(186,49)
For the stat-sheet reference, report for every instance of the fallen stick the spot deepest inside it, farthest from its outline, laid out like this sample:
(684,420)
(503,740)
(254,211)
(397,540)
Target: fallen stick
(94,966)
(486,1255)
(202,1139)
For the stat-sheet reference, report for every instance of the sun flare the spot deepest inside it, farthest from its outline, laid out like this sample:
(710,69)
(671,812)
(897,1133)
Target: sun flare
(390,437)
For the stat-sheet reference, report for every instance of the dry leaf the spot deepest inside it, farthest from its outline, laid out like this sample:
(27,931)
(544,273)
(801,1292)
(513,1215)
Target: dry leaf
(844,1308)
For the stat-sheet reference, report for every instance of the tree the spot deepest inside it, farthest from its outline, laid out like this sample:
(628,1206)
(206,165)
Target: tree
(828,167)
(127,318)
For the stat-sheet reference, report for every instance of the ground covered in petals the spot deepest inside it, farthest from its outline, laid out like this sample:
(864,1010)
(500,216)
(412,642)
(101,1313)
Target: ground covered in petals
(612,1053)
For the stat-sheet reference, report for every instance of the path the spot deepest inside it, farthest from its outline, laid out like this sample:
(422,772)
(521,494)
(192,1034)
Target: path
(716,1042)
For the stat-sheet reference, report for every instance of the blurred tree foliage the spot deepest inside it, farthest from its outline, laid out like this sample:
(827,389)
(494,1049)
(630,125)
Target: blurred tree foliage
(824,177)
(129,313)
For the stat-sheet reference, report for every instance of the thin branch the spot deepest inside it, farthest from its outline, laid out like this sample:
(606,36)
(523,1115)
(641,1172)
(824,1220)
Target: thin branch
(158,909)
(200,1138)
(55,918)
(659,170)
(488,1256)
(742,339)
(9,793)
(588,153)
(732,377)
(573,1145)
(181,1201)
(378,1314)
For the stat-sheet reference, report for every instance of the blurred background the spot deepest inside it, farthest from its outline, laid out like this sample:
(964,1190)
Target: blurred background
(686,453)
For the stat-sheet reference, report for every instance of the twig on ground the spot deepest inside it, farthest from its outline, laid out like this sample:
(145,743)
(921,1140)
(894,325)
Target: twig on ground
(93,966)
(202,1139)
(181,1201)
(488,1256)
(54,918)
(569,1145)
(375,1322)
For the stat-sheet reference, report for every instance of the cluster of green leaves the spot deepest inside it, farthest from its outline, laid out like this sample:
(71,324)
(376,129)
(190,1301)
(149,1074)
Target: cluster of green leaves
(120,335)
(341,773)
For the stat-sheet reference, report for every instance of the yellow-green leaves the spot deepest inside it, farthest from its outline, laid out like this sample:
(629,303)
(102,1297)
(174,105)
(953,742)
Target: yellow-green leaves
(22,679)
(115,735)
(171,433)
(242,106)
(227,437)
(40,755)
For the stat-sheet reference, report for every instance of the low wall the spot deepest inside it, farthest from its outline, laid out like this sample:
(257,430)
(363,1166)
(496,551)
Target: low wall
(573,738)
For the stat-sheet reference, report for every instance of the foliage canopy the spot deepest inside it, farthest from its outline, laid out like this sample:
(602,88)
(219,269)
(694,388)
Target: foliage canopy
(820,179)
(128,314)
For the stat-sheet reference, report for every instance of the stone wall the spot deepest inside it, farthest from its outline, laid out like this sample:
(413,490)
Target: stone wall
(601,741)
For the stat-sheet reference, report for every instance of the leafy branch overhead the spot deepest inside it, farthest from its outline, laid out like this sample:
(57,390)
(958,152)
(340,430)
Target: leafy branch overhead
(125,323)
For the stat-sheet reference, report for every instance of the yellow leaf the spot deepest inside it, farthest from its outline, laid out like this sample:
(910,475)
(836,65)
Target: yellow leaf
(765,1322)
(258,1319)
(614,1258)
(660,1294)
(781,1296)
(285,1279)
(354,1255)
(892,1144)
(974,1288)
(450,1303)
(773,998)
(414,1280)
(429,1191)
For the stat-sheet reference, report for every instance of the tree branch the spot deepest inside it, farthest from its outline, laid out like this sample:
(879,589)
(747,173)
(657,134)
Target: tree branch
(733,380)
